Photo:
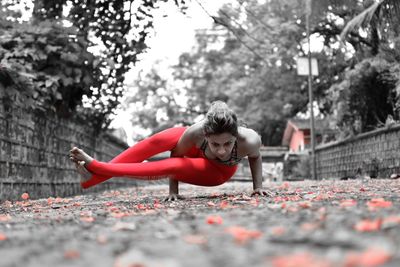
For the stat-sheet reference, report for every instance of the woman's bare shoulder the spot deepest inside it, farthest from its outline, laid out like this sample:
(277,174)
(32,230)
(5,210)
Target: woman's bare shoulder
(249,138)
(249,135)
(195,131)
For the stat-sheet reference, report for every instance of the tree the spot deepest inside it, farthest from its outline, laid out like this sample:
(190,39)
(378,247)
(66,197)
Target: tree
(369,95)
(254,71)
(378,16)
(365,98)
(248,60)
(119,28)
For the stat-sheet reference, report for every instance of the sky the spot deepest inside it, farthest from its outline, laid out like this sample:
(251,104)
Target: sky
(174,31)
(174,34)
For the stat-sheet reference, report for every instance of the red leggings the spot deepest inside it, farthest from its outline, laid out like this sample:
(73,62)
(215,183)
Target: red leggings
(194,168)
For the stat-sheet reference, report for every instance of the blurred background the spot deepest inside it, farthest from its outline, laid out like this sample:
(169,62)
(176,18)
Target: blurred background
(130,68)
(155,64)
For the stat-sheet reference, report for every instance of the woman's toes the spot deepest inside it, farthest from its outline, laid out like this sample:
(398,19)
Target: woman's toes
(75,150)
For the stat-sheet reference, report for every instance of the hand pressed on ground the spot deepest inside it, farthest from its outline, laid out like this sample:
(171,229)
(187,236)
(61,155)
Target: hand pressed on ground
(262,192)
(174,197)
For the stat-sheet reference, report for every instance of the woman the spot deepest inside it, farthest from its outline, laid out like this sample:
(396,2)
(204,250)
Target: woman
(206,154)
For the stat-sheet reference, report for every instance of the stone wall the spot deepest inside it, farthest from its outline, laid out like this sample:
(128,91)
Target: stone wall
(374,154)
(34,151)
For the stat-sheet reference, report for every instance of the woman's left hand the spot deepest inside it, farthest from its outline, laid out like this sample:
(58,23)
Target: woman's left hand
(262,192)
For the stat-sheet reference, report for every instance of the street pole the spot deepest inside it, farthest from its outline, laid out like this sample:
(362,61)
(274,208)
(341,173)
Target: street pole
(310,92)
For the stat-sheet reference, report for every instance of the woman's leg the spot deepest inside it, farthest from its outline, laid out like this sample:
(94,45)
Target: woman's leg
(197,171)
(155,144)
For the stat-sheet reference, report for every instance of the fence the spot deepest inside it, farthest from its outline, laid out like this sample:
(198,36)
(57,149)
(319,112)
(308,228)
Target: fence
(34,150)
(376,154)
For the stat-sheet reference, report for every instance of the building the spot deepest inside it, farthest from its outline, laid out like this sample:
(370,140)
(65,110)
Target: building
(297,135)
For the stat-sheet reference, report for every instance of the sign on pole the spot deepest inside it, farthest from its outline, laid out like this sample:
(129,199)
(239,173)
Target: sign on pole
(302,66)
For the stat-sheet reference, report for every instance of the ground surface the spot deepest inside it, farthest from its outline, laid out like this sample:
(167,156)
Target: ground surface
(346,223)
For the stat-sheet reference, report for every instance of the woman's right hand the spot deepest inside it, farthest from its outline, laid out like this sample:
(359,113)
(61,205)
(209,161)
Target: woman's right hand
(173,197)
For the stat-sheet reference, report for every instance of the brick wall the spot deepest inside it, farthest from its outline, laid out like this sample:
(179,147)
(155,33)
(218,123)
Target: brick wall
(375,153)
(34,154)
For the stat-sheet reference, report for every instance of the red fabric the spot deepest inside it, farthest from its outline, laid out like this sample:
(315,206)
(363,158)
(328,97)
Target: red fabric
(194,168)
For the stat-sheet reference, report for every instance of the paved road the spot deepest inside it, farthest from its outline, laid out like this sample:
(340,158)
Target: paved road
(346,223)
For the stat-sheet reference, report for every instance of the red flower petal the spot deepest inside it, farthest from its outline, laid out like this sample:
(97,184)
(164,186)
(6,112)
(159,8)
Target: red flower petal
(378,203)
(369,258)
(214,219)
(278,230)
(3,237)
(25,196)
(195,239)
(141,206)
(241,234)
(304,259)
(211,204)
(309,226)
(368,225)
(224,204)
(71,254)
(87,219)
(284,185)
(305,204)
(348,203)
(5,217)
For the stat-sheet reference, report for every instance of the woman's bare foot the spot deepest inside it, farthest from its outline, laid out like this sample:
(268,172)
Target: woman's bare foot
(80,158)
(84,173)
(78,155)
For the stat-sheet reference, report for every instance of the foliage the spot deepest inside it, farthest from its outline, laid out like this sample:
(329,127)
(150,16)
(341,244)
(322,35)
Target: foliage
(48,63)
(254,73)
(379,18)
(255,69)
(56,59)
(366,97)
(156,103)
(249,57)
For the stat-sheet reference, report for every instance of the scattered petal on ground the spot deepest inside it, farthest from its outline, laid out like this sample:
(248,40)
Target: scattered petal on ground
(241,234)
(5,217)
(310,226)
(304,259)
(211,204)
(368,225)
(278,230)
(124,226)
(334,220)
(3,237)
(390,221)
(71,254)
(369,258)
(376,203)
(102,239)
(214,219)
(195,239)
(348,203)
(25,196)
(88,219)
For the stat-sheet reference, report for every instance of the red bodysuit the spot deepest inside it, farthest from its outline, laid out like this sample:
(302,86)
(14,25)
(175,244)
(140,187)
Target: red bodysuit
(193,168)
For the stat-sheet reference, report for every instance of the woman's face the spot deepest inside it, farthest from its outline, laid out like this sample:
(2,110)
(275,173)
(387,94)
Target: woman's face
(221,145)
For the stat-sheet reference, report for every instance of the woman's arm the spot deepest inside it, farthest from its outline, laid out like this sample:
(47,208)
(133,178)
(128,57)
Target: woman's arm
(255,163)
(187,141)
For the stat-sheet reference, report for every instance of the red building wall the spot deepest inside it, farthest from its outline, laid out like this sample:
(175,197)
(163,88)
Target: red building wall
(297,142)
